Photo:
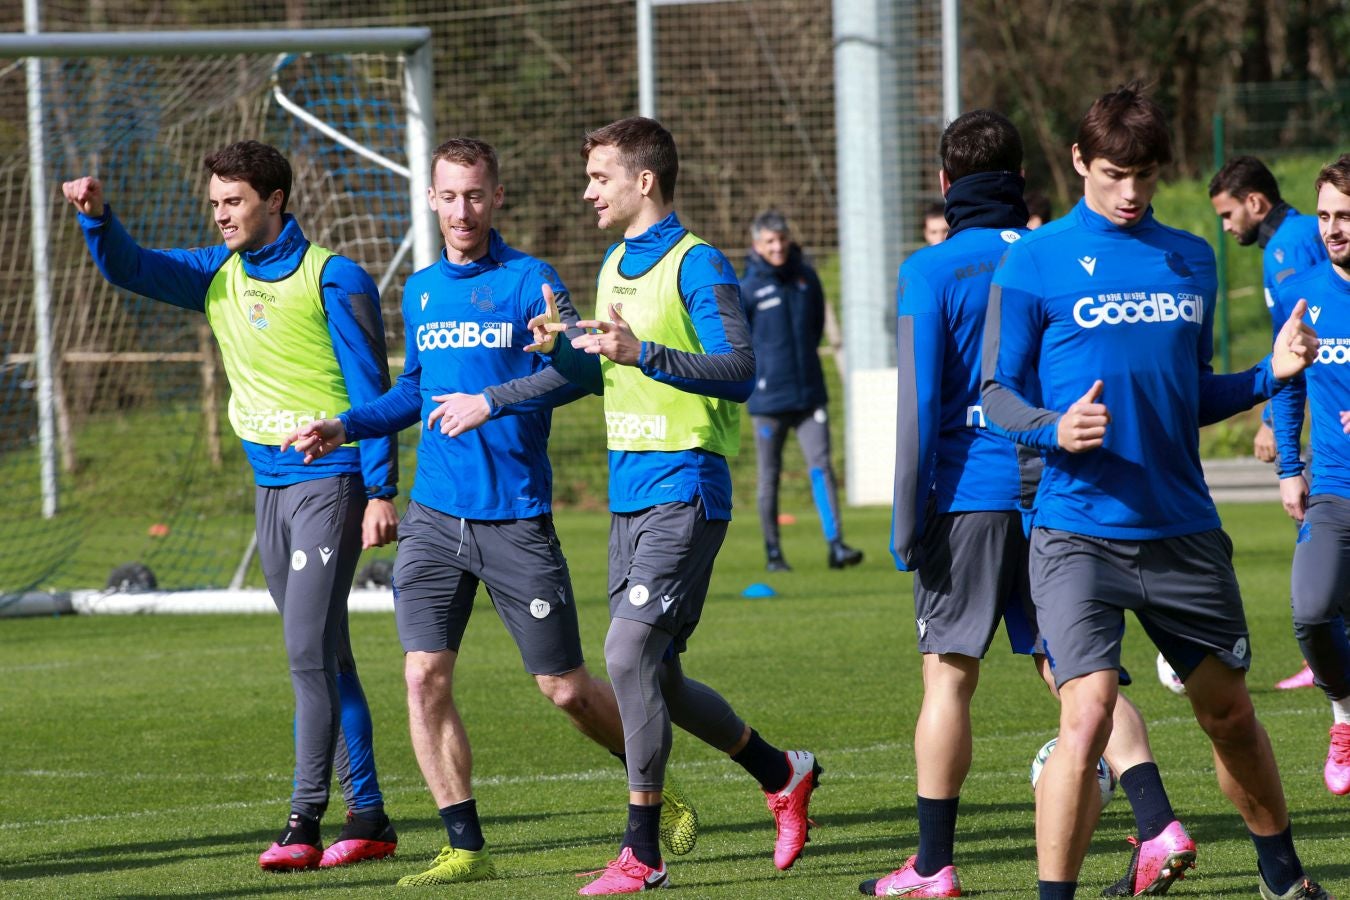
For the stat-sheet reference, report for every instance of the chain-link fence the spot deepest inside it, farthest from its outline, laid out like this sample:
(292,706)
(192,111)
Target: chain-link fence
(746,86)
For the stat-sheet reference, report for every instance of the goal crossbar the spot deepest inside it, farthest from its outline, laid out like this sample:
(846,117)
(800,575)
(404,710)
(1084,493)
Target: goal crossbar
(190,43)
(413,43)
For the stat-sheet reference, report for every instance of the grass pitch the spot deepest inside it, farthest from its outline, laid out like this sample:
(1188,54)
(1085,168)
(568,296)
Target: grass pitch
(150,757)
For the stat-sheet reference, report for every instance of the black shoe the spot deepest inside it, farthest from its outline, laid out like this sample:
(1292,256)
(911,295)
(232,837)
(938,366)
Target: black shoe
(842,555)
(357,828)
(776,561)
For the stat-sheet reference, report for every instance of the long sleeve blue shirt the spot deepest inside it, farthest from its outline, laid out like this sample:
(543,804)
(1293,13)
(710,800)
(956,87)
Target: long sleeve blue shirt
(1325,384)
(465,331)
(1290,243)
(1082,299)
(351,304)
(946,461)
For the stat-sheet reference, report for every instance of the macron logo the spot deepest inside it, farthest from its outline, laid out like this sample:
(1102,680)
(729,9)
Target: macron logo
(1314,312)
(424,298)
(1089,264)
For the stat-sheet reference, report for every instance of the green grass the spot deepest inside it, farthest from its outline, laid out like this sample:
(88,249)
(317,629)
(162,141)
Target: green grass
(150,757)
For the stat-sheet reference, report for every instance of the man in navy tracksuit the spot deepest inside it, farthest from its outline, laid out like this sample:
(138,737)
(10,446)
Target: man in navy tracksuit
(1246,197)
(1321,576)
(1097,353)
(785,306)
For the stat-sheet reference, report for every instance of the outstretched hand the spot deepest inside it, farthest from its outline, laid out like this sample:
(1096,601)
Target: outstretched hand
(458,413)
(613,340)
(86,195)
(1295,346)
(316,439)
(544,328)
(1083,425)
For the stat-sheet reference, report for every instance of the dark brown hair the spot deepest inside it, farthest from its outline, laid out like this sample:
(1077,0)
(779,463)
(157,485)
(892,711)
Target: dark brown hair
(1243,175)
(643,144)
(1125,127)
(980,141)
(260,165)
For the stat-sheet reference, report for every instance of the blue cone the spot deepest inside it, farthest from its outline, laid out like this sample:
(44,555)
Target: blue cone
(759,590)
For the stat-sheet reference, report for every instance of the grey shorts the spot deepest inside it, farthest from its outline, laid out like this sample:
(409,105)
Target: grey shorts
(1320,586)
(1182,589)
(660,565)
(441,560)
(973,573)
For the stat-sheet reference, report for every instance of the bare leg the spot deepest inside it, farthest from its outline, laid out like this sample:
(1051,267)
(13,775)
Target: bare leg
(589,702)
(1243,757)
(438,737)
(1068,803)
(942,734)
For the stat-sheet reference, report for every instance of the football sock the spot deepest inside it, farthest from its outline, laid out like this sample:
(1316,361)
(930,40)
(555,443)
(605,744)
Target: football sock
(644,825)
(1148,798)
(1278,860)
(937,834)
(371,814)
(300,829)
(1057,890)
(766,763)
(461,824)
(1340,711)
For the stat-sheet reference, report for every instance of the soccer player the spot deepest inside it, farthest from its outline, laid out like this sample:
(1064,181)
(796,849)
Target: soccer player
(785,306)
(480,509)
(1321,577)
(1105,317)
(673,361)
(1246,197)
(935,223)
(960,496)
(301,336)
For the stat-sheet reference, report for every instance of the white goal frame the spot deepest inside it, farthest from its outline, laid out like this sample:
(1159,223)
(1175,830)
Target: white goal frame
(413,44)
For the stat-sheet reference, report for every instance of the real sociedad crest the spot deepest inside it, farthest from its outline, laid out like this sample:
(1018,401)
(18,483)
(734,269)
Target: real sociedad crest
(257,316)
(481,299)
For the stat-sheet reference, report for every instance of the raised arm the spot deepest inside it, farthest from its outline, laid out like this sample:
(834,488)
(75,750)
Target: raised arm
(177,277)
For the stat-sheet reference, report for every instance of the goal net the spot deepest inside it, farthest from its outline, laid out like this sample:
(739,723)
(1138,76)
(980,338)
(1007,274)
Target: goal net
(142,455)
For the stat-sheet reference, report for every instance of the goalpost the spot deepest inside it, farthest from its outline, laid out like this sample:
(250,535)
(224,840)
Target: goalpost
(351,107)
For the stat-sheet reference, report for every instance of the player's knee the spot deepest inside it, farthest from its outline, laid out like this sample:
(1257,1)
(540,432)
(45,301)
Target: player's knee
(622,654)
(571,695)
(1231,720)
(425,676)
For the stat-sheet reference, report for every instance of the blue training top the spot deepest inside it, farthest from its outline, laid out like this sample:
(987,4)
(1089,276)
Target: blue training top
(465,331)
(351,303)
(1290,243)
(1326,383)
(1082,299)
(946,461)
